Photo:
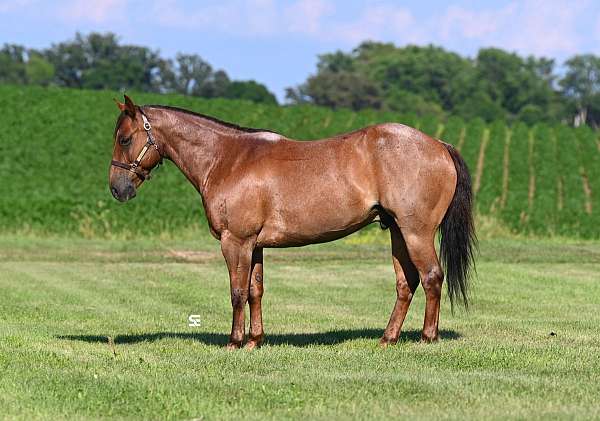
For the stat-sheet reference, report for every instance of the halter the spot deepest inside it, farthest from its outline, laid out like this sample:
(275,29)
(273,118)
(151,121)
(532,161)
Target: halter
(134,166)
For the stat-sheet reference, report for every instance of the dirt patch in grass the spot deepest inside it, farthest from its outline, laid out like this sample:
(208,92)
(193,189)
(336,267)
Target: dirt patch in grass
(193,255)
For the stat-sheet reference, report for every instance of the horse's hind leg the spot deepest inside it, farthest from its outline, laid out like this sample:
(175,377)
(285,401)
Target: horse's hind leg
(422,253)
(407,280)
(256,293)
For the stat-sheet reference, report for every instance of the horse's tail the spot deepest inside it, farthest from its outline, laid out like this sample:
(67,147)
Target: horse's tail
(459,242)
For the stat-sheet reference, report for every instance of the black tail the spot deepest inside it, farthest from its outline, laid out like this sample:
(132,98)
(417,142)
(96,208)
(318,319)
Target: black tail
(459,242)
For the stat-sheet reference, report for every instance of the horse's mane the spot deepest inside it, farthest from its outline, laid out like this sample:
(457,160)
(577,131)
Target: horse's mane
(213,119)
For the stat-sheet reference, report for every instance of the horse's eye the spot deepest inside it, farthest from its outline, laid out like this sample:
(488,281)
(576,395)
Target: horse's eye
(125,141)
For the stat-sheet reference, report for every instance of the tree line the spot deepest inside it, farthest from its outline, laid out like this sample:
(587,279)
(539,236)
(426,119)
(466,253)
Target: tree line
(420,80)
(428,80)
(99,61)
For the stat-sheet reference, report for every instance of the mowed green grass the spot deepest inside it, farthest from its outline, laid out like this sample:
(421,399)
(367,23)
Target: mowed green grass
(528,348)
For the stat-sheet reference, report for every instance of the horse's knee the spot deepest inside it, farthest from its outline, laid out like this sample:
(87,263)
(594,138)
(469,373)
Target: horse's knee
(432,281)
(239,297)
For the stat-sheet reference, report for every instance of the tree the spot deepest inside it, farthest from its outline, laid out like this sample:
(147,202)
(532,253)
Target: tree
(38,70)
(410,103)
(479,104)
(581,85)
(215,86)
(342,89)
(514,82)
(412,79)
(429,72)
(12,64)
(251,91)
(192,73)
(97,61)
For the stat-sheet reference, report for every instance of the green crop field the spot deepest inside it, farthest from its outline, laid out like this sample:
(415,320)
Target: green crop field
(55,148)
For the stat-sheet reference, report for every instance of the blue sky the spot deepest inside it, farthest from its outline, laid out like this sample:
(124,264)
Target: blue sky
(277,42)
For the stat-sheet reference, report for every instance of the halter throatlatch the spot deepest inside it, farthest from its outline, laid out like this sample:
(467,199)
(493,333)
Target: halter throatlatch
(134,167)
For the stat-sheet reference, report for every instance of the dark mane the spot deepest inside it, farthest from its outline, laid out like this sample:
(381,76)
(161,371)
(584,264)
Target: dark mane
(213,119)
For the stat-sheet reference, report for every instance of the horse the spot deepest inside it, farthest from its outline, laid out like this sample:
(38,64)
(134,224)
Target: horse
(260,190)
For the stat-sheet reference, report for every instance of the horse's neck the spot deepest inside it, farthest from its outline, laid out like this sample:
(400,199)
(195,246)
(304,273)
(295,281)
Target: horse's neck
(193,147)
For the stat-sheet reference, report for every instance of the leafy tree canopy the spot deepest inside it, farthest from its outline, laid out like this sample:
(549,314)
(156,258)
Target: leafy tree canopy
(428,80)
(99,61)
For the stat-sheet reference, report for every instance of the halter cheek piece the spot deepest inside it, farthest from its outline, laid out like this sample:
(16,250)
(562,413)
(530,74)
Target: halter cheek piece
(134,167)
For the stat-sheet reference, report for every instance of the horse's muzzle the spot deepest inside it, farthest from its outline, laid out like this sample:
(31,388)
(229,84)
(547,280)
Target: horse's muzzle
(123,189)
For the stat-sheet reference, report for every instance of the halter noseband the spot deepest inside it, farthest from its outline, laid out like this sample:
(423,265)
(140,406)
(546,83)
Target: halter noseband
(134,166)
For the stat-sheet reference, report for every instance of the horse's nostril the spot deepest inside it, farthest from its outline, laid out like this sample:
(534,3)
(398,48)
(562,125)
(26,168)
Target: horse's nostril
(114,192)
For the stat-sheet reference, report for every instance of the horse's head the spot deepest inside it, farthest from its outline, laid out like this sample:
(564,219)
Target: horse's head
(135,152)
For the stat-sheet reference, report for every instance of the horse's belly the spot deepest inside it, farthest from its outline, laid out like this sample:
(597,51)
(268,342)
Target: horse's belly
(288,229)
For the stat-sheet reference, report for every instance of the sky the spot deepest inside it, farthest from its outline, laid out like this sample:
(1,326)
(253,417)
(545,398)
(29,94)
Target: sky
(278,42)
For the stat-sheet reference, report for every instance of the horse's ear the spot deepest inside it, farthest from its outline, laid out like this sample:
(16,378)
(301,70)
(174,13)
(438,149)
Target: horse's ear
(129,107)
(120,105)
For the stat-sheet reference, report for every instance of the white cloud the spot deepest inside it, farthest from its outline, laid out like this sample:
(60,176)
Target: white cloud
(246,18)
(96,11)
(471,24)
(529,26)
(312,18)
(379,22)
(168,13)
(306,16)
(546,28)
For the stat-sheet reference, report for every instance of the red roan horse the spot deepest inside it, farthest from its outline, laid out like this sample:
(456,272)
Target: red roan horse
(260,189)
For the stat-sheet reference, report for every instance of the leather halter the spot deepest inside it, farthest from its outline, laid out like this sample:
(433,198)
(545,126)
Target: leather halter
(134,167)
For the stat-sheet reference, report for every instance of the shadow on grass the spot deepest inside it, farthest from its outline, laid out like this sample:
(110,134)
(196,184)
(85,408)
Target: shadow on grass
(293,339)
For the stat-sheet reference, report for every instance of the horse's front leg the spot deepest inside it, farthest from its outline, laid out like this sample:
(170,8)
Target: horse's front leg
(238,255)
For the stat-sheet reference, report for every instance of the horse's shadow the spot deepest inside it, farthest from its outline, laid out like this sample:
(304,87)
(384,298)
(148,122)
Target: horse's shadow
(292,339)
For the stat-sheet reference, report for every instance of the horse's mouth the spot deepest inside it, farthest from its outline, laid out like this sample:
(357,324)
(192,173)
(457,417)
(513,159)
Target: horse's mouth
(123,195)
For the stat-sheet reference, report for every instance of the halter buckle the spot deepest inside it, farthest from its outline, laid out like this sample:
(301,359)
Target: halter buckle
(147,125)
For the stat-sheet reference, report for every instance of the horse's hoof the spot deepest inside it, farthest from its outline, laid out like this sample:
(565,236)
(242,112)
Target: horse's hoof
(385,342)
(233,345)
(253,344)
(429,339)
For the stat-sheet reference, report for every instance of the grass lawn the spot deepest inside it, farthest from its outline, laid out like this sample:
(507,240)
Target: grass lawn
(528,348)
